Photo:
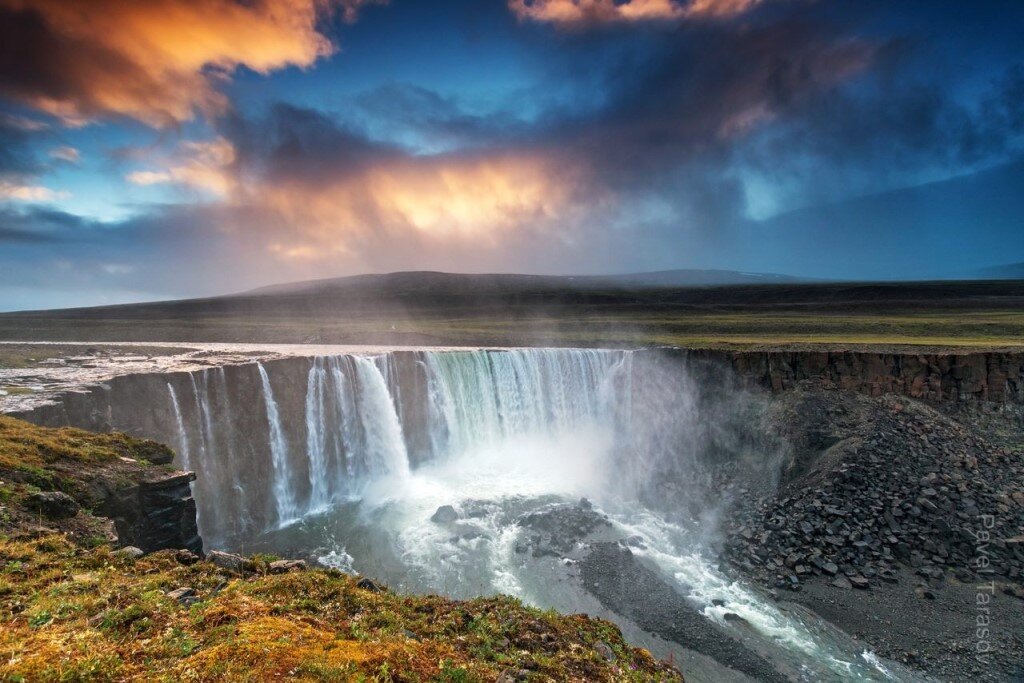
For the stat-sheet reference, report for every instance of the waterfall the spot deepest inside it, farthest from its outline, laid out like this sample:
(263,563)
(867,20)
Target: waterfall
(199,411)
(316,434)
(354,419)
(385,448)
(484,397)
(183,452)
(286,508)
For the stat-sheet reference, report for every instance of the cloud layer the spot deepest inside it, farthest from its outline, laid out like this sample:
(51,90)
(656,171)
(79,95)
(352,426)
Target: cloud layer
(575,13)
(159,61)
(653,134)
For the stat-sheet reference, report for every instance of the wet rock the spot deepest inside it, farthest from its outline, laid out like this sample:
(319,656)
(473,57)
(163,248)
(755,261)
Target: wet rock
(733,618)
(446,514)
(860,582)
(53,504)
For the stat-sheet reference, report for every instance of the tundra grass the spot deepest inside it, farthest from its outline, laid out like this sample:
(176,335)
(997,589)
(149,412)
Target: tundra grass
(926,329)
(73,614)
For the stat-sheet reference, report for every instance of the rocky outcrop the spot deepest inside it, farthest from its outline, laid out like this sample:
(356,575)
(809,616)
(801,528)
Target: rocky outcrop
(156,513)
(892,483)
(983,376)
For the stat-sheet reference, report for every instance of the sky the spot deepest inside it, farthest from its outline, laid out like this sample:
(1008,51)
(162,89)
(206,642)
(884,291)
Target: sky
(180,148)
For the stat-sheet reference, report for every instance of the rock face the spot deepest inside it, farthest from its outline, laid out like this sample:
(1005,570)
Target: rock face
(991,376)
(156,513)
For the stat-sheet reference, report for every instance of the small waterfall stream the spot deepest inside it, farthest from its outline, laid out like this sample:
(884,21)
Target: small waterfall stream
(282,487)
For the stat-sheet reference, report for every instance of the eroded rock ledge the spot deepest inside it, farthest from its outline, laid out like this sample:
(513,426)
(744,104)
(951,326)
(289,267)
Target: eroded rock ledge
(52,479)
(157,513)
(983,376)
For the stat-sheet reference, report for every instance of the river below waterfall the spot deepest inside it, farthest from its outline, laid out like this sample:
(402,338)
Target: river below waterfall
(582,480)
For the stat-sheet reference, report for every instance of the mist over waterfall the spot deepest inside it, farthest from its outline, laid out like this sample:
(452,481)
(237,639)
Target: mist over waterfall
(313,437)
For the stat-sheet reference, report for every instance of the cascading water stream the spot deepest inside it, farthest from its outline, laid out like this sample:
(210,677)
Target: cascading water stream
(179,423)
(286,507)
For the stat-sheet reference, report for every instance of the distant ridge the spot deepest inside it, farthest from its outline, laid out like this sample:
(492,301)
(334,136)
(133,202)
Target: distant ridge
(1010,271)
(426,280)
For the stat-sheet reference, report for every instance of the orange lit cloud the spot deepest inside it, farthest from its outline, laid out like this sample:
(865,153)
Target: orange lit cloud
(479,201)
(10,191)
(158,61)
(199,165)
(578,12)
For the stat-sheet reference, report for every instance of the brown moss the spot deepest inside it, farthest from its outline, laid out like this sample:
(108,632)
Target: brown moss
(26,447)
(73,613)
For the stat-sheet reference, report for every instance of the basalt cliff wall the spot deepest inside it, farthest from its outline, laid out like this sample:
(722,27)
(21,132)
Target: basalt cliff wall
(996,377)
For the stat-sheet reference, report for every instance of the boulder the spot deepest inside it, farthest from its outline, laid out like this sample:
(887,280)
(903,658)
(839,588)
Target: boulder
(130,552)
(446,514)
(229,561)
(186,557)
(186,596)
(157,513)
(605,651)
(285,566)
(53,504)
(369,585)
(842,582)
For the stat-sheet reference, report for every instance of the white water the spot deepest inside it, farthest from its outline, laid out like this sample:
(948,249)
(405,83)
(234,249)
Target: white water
(179,423)
(285,498)
(316,433)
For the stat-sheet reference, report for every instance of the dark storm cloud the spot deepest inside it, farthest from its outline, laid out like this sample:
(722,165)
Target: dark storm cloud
(302,145)
(17,155)
(400,109)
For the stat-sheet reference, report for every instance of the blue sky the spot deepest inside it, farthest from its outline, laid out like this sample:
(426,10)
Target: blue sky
(170,149)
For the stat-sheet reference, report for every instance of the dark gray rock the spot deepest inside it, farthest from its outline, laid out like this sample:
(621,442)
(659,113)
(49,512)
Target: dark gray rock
(157,513)
(53,504)
(370,585)
(446,514)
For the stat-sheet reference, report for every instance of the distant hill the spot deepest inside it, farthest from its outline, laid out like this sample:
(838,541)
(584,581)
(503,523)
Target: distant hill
(671,307)
(431,280)
(1011,271)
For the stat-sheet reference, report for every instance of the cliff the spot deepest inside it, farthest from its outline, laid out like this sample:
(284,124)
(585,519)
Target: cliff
(996,377)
